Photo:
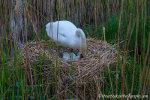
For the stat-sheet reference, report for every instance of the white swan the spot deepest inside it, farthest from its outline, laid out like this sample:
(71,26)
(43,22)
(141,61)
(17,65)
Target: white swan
(67,34)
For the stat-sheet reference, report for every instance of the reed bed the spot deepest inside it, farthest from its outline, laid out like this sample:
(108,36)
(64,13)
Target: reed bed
(119,67)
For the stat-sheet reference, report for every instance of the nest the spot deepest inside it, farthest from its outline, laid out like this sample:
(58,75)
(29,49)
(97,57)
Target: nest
(100,54)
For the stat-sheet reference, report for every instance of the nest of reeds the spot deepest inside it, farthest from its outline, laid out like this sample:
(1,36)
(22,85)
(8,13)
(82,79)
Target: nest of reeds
(89,69)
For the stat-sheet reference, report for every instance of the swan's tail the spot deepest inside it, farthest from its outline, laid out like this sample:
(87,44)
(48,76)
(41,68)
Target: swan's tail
(49,29)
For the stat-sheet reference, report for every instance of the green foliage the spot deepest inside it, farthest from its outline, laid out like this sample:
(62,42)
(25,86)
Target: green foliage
(111,28)
(141,33)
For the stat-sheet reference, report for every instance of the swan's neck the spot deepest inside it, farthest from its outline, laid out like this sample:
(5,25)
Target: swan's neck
(83,45)
(81,36)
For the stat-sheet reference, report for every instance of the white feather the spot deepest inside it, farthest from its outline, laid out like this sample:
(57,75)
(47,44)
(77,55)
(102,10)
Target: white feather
(67,34)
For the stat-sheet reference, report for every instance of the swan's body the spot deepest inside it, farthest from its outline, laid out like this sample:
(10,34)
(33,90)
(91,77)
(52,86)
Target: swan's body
(67,34)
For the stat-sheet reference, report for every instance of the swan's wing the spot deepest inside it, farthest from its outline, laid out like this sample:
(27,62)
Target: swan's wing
(63,35)
(64,29)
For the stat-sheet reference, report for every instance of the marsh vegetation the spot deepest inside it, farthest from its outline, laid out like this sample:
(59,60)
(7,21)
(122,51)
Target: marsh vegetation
(127,28)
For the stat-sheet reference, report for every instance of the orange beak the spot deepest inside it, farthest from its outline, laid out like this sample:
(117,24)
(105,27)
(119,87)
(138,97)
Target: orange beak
(81,56)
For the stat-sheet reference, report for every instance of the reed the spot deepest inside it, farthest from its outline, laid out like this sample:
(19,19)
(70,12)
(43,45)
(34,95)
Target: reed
(127,29)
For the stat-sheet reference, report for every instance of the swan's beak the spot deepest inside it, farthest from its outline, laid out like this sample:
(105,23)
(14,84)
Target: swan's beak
(81,56)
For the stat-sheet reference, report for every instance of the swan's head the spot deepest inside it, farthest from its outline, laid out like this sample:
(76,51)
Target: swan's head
(83,47)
